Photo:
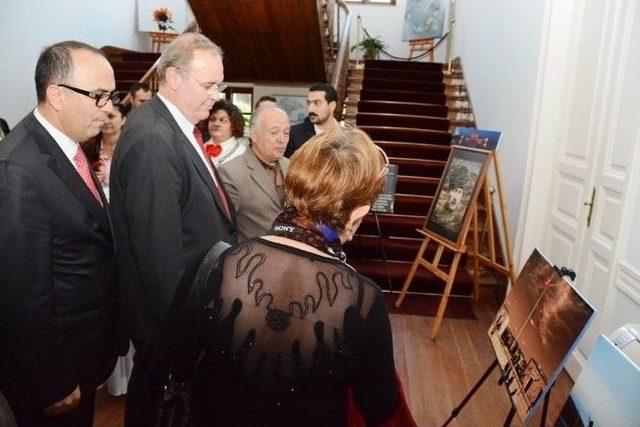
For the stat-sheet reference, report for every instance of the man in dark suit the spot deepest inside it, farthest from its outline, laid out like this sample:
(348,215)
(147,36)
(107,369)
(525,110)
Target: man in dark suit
(59,323)
(322,101)
(168,203)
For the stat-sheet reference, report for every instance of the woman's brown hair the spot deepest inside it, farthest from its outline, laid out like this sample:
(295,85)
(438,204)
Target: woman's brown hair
(332,174)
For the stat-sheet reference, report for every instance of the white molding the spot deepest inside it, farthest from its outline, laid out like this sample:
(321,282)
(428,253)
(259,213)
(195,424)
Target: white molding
(548,103)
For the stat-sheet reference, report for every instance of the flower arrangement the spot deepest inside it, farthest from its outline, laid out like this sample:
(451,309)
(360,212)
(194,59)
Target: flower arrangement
(163,17)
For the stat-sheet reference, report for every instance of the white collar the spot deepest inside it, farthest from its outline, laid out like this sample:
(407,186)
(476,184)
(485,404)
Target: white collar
(185,125)
(68,146)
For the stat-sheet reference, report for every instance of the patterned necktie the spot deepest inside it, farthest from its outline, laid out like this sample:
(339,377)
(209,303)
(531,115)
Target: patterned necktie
(223,197)
(82,166)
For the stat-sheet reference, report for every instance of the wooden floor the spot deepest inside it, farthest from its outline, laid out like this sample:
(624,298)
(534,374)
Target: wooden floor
(436,374)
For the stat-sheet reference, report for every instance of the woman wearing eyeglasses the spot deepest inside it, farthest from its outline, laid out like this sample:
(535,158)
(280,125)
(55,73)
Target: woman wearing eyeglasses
(226,128)
(290,330)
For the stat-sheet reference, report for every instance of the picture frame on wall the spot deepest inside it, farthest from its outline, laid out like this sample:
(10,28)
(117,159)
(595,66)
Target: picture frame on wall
(294,105)
(461,181)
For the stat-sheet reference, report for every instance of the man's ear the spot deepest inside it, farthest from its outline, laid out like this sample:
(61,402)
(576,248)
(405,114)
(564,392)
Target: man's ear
(332,106)
(54,96)
(173,78)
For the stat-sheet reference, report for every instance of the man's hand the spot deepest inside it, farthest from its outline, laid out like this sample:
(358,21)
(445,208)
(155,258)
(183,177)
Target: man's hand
(65,405)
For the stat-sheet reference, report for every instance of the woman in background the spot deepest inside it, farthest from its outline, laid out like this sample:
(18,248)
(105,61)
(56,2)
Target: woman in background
(99,151)
(226,129)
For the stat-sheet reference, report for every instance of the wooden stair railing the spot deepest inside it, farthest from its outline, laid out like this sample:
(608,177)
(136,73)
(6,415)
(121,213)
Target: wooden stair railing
(340,69)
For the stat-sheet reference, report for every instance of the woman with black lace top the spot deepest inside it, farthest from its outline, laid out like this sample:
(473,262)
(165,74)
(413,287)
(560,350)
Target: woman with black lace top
(290,328)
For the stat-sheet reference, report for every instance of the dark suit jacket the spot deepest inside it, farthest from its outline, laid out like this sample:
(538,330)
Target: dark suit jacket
(298,135)
(59,317)
(166,213)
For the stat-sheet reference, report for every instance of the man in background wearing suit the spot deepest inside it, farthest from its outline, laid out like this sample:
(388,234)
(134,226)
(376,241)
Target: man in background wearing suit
(168,204)
(60,331)
(255,180)
(322,101)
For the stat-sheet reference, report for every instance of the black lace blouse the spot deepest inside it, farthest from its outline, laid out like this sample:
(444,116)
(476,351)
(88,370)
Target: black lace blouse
(285,334)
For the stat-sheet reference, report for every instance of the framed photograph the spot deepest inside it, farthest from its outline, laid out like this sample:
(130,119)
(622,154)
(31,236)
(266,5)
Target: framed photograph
(294,105)
(459,187)
(476,138)
(539,324)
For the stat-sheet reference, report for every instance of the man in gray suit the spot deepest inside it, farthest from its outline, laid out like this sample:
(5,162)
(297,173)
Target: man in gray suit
(255,180)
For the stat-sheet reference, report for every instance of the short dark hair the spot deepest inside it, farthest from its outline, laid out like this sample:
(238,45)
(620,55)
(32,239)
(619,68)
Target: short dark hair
(55,64)
(137,86)
(264,98)
(330,93)
(121,108)
(235,116)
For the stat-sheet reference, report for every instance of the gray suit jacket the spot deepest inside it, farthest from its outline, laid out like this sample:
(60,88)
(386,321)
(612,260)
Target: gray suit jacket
(253,194)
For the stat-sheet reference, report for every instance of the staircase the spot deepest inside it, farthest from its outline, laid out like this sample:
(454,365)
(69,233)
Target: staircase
(129,66)
(408,109)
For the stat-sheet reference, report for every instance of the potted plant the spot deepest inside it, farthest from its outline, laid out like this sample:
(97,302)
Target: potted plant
(371,46)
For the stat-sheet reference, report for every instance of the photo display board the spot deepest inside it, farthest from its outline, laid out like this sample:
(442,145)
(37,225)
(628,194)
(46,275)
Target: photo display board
(458,189)
(539,324)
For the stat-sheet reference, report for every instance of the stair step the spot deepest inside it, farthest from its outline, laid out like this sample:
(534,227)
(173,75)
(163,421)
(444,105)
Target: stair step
(129,75)
(423,281)
(402,95)
(412,204)
(410,85)
(132,66)
(402,134)
(413,108)
(419,167)
(396,249)
(425,186)
(402,120)
(382,73)
(396,225)
(403,65)
(414,149)
(140,56)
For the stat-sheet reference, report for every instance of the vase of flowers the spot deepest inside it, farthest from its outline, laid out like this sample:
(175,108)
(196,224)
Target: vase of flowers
(164,18)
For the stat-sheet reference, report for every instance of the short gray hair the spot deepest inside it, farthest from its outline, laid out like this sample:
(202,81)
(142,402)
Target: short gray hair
(179,53)
(255,117)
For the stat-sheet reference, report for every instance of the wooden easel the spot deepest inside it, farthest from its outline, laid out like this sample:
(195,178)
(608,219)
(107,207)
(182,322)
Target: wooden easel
(478,236)
(421,45)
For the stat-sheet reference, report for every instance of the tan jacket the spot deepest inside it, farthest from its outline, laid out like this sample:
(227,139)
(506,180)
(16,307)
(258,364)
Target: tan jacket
(253,193)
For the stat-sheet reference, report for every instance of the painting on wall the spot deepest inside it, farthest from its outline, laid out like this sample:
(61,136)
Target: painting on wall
(294,105)
(179,11)
(539,324)
(423,19)
(459,186)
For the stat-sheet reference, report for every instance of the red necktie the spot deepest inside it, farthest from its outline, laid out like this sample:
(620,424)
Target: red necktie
(223,197)
(82,165)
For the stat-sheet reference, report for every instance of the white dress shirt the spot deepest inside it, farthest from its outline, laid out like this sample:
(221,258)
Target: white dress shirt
(68,146)
(187,128)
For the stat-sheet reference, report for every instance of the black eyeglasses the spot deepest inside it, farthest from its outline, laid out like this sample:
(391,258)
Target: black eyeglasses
(101,97)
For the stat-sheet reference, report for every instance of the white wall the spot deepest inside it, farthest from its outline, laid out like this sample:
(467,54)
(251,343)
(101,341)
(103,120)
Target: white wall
(28,26)
(386,22)
(498,42)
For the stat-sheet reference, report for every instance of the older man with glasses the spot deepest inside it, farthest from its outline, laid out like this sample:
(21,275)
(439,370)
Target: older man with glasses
(60,330)
(169,206)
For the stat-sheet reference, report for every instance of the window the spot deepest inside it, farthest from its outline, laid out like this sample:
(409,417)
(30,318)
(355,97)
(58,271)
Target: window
(242,97)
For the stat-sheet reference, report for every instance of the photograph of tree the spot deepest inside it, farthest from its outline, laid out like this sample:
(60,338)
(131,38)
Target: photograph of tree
(459,183)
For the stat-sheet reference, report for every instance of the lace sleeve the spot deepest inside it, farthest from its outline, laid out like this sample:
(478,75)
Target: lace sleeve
(374,386)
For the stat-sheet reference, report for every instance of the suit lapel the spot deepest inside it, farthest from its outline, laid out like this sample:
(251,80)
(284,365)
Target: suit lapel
(62,167)
(195,158)
(261,177)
